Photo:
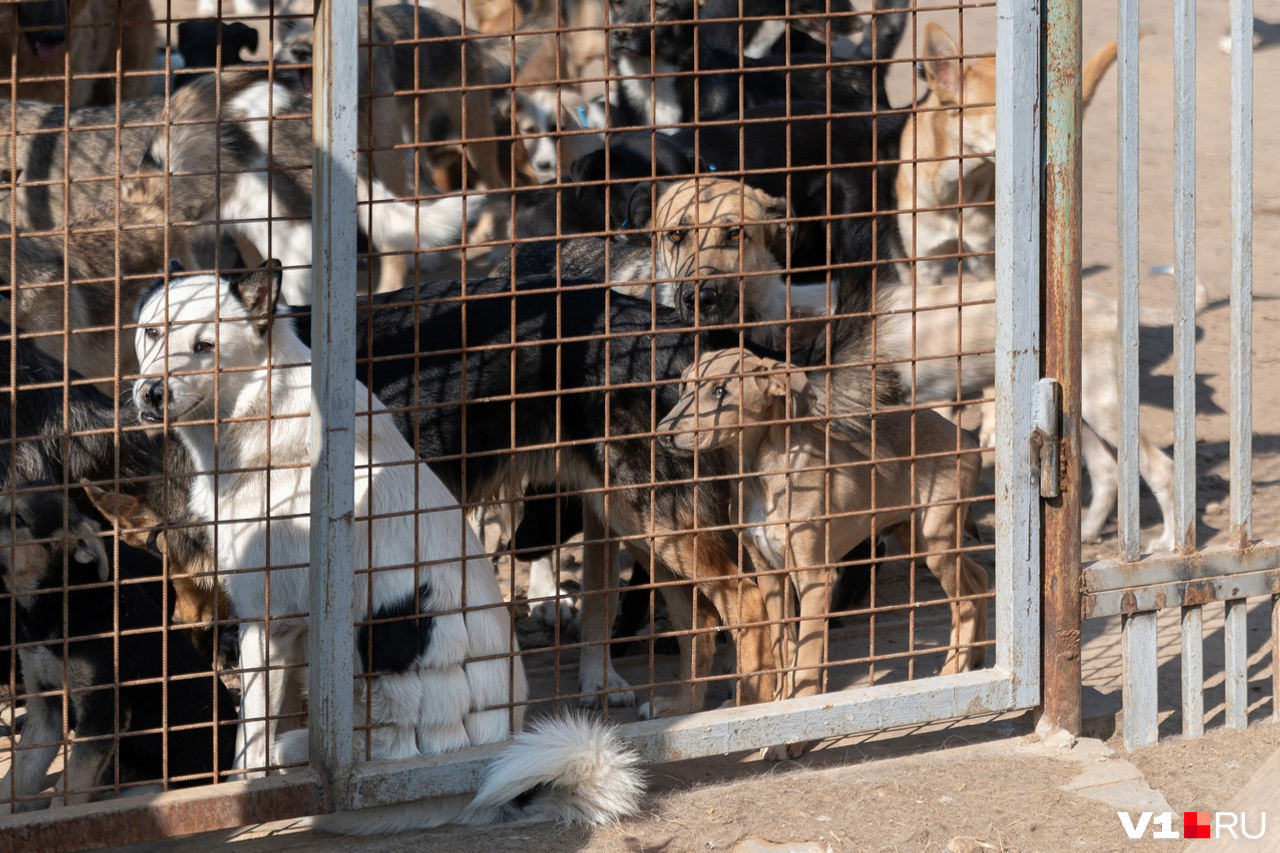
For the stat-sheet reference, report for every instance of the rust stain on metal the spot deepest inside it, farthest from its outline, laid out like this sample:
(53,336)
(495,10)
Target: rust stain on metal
(1129,603)
(1197,592)
(129,822)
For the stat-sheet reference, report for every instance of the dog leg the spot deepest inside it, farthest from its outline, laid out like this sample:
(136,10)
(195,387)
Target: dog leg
(546,603)
(697,650)
(41,737)
(599,573)
(1101,465)
(807,546)
(736,599)
(1157,469)
(960,577)
(261,699)
(776,588)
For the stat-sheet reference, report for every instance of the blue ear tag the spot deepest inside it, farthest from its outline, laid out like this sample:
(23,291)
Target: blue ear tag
(624,223)
(582,115)
(711,166)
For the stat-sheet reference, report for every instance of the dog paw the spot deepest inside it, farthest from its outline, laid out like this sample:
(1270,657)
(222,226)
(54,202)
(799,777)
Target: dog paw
(1164,543)
(785,752)
(663,706)
(551,611)
(618,692)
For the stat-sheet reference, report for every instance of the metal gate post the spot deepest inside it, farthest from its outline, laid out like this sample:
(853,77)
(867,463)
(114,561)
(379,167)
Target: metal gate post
(331,640)
(1061,92)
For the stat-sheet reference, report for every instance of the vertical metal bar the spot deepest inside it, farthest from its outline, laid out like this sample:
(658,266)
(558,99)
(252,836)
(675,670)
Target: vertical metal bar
(1017,342)
(1184,271)
(1192,671)
(1235,633)
(1127,195)
(1062,92)
(1275,658)
(1139,693)
(1241,271)
(331,639)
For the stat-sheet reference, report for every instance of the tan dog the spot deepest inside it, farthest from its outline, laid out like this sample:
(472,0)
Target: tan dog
(813,493)
(924,330)
(718,242)
(42,37)
(919,330)
(957,120)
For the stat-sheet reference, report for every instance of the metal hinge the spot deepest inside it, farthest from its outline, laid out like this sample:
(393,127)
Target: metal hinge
(1045,433)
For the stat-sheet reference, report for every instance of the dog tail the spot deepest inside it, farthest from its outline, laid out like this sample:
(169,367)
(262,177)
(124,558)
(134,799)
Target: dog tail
(1156,317)
(404,226)
(1094,68)
(571,769)
(568,768)
(841,361)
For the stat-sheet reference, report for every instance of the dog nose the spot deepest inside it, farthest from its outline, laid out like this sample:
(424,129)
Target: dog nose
(706,296)
(155,394)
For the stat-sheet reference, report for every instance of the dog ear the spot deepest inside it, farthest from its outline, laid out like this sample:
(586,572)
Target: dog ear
(126,510)
(941,63)
(793,383)
(777,215)
(504,107)
(259,292)
(640,206)
(88,549)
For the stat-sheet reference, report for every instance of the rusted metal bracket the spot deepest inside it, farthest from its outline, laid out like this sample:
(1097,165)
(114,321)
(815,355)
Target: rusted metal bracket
(1046,430)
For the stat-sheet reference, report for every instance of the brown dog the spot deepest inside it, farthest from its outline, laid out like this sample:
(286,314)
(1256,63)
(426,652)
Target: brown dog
(952,136)
(716,247)
(51,38)
(812,492)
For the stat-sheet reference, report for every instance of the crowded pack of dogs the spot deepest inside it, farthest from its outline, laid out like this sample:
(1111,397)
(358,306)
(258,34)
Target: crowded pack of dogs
(722,300)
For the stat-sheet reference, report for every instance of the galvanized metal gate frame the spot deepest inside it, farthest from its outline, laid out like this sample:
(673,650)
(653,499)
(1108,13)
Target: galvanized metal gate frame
(334,782)
(1137,589)
(1012,683)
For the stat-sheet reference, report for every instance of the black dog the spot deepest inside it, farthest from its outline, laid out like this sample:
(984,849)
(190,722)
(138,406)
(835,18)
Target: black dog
(152,683)
(37,445)
(671,76)
(198,42)
(751,29)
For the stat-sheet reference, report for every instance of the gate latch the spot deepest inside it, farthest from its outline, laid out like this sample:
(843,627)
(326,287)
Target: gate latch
(1045,432)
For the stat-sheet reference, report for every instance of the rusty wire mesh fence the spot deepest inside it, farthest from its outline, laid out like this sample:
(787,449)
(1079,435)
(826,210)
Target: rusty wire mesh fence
(660,313)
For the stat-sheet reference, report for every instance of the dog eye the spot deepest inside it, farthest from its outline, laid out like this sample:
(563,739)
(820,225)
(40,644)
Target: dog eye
(18,520)
(720,391)
(733,235)
(202,347)
(675,236)
(152,333)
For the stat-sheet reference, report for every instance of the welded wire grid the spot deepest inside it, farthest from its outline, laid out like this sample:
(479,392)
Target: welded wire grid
(538,380)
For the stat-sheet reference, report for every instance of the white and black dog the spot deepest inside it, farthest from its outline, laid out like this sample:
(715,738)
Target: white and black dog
(435,628)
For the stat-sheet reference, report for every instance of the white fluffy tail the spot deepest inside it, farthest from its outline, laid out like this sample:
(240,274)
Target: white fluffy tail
(403,226)
(572,769)
(1158,317)
(568,768)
